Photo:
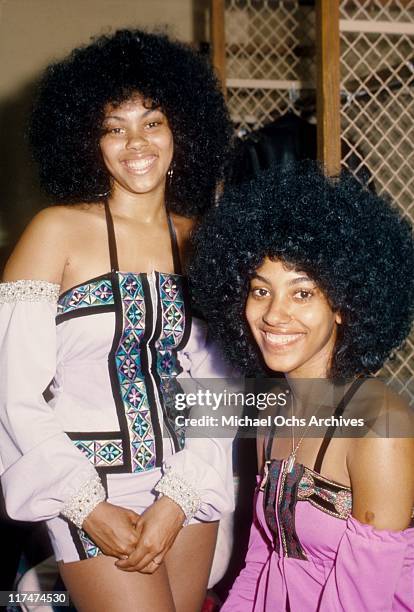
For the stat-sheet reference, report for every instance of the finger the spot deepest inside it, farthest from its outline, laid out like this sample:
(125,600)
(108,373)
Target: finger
(150,562)
(133,517)
(133,559)
(135,563)
(151,568)
(143,549)
(153,565)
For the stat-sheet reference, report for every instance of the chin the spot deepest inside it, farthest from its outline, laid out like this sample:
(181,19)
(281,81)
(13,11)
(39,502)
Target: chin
(281,364)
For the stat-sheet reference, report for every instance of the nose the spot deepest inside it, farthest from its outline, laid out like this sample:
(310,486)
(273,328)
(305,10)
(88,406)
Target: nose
(136,140)
(277,312)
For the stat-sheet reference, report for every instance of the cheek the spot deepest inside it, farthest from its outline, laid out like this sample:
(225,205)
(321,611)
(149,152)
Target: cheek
(253,313)
(320,319)
(163,140)
(108,150)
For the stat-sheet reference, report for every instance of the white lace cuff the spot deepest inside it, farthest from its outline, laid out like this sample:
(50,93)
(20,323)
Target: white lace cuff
(29,291)
(90,494)
(181,492)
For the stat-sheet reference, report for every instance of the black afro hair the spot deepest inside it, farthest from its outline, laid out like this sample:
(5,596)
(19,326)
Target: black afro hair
(67,116)
(352,243)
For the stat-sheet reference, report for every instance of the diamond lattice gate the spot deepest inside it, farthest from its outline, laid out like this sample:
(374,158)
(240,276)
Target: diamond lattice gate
(377,116)
(269,58)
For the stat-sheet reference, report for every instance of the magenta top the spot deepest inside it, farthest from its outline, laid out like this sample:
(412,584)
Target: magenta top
(308,553)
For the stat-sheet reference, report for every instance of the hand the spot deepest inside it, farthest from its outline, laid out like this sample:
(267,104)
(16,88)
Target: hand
(112,529)
(157,529)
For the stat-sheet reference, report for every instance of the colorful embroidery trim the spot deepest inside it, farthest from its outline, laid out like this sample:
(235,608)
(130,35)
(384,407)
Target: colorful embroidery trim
(95,293)
(325,494)
(131,379)
(131,372)
(102,453)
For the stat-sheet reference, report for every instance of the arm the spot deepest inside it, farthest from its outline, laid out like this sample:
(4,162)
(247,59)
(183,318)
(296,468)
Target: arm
(31,437)
(43,473)
(373,555)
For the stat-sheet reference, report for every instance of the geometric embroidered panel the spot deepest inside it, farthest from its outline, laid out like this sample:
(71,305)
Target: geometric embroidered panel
(102,453)
(130,375)
(173,322)
(95,293)
(91,549)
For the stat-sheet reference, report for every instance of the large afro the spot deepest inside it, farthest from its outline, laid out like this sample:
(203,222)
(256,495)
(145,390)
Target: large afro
(67,117)
(352,243)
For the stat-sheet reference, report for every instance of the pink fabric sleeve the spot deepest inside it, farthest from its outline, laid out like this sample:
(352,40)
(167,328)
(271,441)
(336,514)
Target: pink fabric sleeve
(371,567)
(41,469)
(243,593)
(203,469)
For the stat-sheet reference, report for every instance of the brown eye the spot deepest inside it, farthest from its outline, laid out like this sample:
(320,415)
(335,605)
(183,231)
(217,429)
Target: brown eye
(114,130)
(303,295)
(154,124)
(259,292)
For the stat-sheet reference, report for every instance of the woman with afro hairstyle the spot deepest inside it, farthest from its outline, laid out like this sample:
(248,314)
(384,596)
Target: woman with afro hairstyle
(314,278)
(130,134)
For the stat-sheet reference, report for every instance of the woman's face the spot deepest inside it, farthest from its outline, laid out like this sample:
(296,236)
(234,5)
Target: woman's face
(291,321)
(137,146)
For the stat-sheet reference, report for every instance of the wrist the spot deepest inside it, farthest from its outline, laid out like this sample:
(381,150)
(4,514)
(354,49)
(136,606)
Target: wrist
(181,492)
(84,501)
(165,500)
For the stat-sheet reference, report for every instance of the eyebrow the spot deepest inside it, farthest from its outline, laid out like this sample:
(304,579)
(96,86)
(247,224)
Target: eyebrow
(145,114)
(294,281)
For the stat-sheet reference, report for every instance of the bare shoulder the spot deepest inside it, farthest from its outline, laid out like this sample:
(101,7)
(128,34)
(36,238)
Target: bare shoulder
(43,249)
(389,422)
(380,463)
(383,410)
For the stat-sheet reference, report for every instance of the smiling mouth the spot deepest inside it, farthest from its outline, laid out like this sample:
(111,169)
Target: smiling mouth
(139,166)
(281,341)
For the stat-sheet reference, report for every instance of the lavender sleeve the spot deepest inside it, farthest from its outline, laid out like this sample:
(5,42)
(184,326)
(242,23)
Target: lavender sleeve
(373,570)
(42,473)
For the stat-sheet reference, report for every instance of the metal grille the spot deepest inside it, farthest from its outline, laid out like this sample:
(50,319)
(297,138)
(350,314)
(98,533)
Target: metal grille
(378,10)
(377,116)
(269,58)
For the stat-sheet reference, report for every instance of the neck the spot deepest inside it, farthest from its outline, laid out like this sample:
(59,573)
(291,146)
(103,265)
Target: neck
(146,208)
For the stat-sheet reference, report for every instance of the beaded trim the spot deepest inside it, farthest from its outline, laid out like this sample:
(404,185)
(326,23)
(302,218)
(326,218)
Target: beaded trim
(181,492)
(88,496)
(340,498)
(29,291)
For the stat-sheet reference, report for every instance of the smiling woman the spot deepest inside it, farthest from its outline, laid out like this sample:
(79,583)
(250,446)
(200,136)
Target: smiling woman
(291,321)
(314,278)
(130,134)
(137,146)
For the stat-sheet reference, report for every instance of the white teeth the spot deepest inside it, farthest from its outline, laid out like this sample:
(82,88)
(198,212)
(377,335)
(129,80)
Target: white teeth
(280,339)
(139,164)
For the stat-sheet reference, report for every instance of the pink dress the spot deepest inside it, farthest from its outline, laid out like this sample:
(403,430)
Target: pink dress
(308,553)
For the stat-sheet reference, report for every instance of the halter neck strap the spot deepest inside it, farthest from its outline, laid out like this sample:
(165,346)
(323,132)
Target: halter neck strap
(113,252)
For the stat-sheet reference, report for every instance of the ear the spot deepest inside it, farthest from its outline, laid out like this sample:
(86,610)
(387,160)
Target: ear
(338,318)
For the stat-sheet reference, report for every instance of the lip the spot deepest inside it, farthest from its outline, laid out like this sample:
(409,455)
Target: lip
(139,165)
(281,341)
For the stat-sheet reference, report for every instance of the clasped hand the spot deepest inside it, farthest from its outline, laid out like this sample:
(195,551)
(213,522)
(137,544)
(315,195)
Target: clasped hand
(156,529)
(139,542)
